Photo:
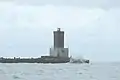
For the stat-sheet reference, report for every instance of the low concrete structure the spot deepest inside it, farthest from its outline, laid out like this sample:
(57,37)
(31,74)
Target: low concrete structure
(59,52)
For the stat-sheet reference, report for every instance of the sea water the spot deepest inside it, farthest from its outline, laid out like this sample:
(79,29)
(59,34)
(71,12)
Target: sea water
(64,71)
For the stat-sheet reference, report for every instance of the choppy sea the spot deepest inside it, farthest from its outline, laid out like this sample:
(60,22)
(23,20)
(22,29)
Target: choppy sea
(67,71)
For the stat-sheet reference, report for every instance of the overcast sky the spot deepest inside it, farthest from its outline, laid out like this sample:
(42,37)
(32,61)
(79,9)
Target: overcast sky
(92,27)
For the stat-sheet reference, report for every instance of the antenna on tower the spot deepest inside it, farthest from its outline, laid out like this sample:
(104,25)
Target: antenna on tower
(58,29)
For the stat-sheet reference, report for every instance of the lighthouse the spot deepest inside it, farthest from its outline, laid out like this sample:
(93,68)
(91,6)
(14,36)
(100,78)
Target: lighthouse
(58,49)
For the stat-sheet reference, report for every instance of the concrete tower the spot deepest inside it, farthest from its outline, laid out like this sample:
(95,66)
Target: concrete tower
(58,50)
(58,39)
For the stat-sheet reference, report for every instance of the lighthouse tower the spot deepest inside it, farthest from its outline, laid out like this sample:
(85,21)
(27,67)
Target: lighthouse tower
(58,50)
